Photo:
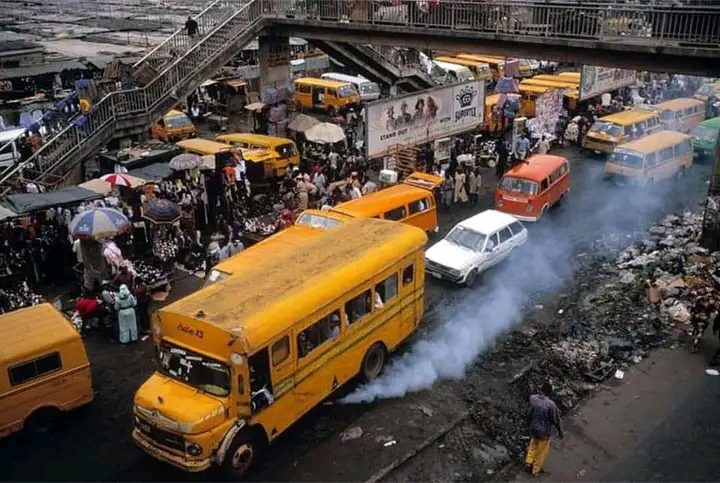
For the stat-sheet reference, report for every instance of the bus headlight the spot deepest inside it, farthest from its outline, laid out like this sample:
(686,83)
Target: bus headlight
(193,449)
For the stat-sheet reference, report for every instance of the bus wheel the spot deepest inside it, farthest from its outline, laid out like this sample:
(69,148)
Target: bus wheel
(240,456)
(42,421)
(373,362)
(681,173)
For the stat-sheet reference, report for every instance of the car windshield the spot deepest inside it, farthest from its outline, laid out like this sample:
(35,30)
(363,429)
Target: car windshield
(608,128)
(216,276)
(286,150)
(317,221)
(631,159)
(200,372)
(346,91)
(369,88)
(705,133)
(466,238)
(177,121)
(519,185)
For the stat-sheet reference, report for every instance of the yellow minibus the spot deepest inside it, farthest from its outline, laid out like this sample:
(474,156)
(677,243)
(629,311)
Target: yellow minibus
(282,150)
(610,131)
(243,359)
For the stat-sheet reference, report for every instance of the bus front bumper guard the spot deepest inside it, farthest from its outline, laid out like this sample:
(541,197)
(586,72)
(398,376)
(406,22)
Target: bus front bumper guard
(192,466)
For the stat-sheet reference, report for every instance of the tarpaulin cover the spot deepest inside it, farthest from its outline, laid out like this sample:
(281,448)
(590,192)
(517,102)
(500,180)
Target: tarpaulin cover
(153,172)
(22,203)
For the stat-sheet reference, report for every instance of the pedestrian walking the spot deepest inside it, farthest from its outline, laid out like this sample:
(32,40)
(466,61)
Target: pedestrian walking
(142,296)
(460,187)
(191,27)
(447,188)
(475,182)
(127,322)
(542,415)
(702,309)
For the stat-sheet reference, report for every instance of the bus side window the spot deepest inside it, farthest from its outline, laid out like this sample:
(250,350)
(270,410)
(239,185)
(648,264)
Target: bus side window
(314,336)
(650,159)
(396,214)
(281,351)
(358,307)
(418,206)
(666,155)
(408,274)
(544,185)
(386,290)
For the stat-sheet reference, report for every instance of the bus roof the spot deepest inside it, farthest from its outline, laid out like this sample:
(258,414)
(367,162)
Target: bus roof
(205,145)
(352,79)
(537,167)
(461,62)
(541,89)
(488,59)
(626,117)
(655,141)
(251,138)
(260,303)
(33,330)
(571,75)
(551,83)
(712,122)
(381,201)
(679,103)
(174,113)
(453,66)
(558,78)
(320,82)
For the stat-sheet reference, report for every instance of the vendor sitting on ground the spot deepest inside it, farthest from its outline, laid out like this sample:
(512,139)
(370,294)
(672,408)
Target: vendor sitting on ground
(87,308)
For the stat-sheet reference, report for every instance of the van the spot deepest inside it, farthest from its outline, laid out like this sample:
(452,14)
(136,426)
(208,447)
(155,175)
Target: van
(325,95)
(481,70)
(451,73)
(610,131)
(411,202)
(173,126)
(707,90)
(706,138)
(369,91)
(497,64)
(44,369)
(283,150)
(9,148)
(240,361)
(534,186)
(681,114)
(658,156)
(259,162)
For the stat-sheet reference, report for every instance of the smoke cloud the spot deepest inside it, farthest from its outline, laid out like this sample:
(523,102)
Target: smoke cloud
(470,326)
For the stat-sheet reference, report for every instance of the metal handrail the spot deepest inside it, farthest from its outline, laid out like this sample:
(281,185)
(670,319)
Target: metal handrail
(129,101)
(693,26)
(206,22)
(405,70)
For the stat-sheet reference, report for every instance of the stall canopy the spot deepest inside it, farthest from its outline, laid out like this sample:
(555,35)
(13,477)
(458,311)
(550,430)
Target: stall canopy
(24,203)
(153,172)
(103,188)
(5,213)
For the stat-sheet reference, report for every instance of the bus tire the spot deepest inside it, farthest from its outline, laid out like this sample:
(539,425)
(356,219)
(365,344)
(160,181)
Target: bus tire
(42,421)
(681,173)
(241,456)
(373,362)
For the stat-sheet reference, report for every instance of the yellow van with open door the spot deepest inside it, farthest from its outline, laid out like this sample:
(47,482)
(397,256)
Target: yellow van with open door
(261,159)
(282,150)
(330,96)
(44,369)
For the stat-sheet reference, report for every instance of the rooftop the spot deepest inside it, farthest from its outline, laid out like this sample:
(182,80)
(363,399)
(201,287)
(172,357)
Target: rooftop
(488,221)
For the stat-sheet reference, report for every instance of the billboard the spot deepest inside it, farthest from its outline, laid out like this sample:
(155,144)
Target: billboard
(423,116)
(596,80)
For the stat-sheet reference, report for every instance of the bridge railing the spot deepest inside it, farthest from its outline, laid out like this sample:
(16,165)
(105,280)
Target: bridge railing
(652,25)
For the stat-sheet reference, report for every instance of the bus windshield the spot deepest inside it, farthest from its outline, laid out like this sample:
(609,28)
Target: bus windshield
(608,128)
(314,220)
(519,185)
(200,372)
(286,150)
(346,91)
(177,121)
(369,88)
(631,159)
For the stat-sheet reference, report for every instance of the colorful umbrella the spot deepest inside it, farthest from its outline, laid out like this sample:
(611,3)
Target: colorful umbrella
(161,211)
(185,161)
(302,123)
(325,133)
(98,223)
(116,179)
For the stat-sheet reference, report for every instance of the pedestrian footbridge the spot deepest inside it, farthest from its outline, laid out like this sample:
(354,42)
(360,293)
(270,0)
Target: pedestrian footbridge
(675,39)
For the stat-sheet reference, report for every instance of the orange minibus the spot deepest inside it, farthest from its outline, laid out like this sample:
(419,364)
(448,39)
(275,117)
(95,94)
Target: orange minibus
(532,187)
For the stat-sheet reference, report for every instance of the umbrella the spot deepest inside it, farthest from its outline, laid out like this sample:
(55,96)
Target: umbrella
(161,211)
(302,123)
(325,133)
(185,161)
(97,223)
(116,179)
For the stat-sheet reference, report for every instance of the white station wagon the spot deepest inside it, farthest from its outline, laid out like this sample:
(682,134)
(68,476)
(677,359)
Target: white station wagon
(474,245)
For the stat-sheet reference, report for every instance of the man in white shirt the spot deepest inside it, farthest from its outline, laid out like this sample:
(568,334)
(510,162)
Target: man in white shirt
(355,192)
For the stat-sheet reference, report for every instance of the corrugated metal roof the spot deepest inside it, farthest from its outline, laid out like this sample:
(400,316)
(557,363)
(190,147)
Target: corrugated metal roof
(40,69)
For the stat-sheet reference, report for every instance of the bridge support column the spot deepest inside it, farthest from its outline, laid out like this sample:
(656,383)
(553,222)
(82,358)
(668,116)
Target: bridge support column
(710,238)
(274,61)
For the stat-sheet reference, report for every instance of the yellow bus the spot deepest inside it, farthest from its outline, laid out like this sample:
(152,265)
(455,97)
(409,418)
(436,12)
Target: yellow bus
(325,95)
(658,156)
(497,64)
(610,131)
(261,159)
(241,360)
(283,150)
(681,114)
(44,369)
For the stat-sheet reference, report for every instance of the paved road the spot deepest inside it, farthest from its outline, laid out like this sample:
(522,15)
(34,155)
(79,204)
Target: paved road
(95,444)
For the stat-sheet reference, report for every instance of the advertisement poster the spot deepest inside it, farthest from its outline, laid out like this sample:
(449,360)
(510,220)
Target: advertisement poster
(548,107)
(423,116)
(596,80)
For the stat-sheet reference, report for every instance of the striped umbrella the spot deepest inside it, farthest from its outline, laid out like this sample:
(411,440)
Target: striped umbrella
(185,161)
(161,211)
(116,179)
(98,223)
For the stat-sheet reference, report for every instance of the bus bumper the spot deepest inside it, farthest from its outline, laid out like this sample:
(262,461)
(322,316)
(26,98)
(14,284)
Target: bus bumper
(191,466)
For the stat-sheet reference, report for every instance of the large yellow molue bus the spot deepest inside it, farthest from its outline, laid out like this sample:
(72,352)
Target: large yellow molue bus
(243,359)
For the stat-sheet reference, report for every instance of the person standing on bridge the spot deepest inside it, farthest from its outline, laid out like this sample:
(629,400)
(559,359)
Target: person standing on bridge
(542,415)
(191,27)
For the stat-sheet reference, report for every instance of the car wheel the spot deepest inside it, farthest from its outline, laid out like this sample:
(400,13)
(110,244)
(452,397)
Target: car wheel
(373,362)
(240,457)
(471,278)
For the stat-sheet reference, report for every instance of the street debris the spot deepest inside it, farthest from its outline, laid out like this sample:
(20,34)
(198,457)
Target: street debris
(351,433)
(619,374)
(712,372)
(390,443)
